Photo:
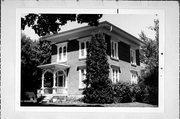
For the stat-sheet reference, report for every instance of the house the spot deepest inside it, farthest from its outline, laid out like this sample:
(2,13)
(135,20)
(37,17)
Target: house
(64,75)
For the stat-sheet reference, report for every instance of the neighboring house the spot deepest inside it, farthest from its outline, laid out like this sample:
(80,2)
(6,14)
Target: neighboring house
(64,75)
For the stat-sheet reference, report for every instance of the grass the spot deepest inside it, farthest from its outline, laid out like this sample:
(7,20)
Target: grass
(63,104)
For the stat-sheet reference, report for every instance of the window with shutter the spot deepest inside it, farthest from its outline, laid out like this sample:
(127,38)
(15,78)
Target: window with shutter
(133,57)
(114,49)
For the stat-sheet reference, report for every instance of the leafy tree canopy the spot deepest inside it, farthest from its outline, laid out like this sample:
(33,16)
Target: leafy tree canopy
(44,24)
(149,56)
(149,52)
(33,53)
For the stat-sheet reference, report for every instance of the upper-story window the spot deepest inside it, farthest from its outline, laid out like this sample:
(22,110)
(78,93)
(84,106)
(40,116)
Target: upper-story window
(133,57)
(83,45)
(61,52)
(114,49)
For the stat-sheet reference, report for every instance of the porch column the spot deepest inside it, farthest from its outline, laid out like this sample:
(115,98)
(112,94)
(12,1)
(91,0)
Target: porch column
(54,82)
(42,84)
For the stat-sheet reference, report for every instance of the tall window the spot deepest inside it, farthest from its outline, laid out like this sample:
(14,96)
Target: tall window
(133,56)
(115,75)
(134,77)
(82,76)
(114,49)
(83,45)
(60,79)
(62,52)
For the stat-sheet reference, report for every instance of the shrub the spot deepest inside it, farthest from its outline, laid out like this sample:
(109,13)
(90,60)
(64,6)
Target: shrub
(122,93)
(150,95)
(102,95)
(137,93)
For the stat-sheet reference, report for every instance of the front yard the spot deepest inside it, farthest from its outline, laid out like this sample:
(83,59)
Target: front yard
(64,104)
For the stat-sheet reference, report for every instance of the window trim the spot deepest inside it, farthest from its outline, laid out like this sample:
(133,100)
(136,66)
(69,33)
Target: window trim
(135,79)
(81,84)
(114,50)
(64,58)
(115,77)
(134,57)
(84,40)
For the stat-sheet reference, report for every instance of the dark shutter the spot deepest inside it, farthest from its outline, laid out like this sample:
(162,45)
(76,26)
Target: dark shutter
(108,41)
(124,51)
(54,49)
(137,57)
(73,45)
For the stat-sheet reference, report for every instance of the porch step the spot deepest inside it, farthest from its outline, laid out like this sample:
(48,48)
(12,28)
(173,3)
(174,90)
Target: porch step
(58,99)
(47,99)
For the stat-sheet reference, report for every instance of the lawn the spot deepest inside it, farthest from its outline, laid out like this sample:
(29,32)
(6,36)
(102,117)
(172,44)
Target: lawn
(132,104)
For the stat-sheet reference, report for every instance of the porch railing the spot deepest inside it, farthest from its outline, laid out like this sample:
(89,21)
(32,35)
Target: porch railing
(48,90)
(57,90)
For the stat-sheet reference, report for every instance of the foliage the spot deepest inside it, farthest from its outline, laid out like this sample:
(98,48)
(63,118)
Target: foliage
(33,53)
(122,92)
(149,56)
(98,85)
(137,93)
(44,24)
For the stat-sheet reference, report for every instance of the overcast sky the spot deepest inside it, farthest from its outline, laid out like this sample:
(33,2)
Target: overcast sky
(132,24)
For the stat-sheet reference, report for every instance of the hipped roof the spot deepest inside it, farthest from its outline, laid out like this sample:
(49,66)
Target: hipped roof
(89,30)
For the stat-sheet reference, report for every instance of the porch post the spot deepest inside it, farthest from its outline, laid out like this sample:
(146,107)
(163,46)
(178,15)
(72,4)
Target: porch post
(42,84)
(54,82)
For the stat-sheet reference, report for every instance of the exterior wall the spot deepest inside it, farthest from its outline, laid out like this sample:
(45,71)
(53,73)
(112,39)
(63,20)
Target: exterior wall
(124,69)
(74,62)
(73,75)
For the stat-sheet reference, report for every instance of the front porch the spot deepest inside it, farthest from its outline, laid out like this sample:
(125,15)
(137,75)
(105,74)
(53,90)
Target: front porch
(54,80)
(56,91)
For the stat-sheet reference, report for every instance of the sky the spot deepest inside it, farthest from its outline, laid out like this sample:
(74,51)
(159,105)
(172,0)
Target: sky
(130,23)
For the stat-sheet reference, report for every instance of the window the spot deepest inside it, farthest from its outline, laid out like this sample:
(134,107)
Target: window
(134,77)
(62,52)
(114,49)
(83,45)
(133,56)
(60,79)
(115,75)
(82,76)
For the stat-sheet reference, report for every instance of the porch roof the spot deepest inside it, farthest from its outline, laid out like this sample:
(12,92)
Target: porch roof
(54,66)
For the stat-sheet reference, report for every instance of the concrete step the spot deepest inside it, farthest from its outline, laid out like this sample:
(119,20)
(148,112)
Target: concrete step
(58,99)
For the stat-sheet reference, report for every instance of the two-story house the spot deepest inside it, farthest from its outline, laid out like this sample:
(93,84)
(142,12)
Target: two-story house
(64,75)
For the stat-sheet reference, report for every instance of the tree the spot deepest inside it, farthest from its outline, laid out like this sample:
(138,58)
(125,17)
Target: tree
(45,24)
(149,56)
(33,53)
(98,85)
